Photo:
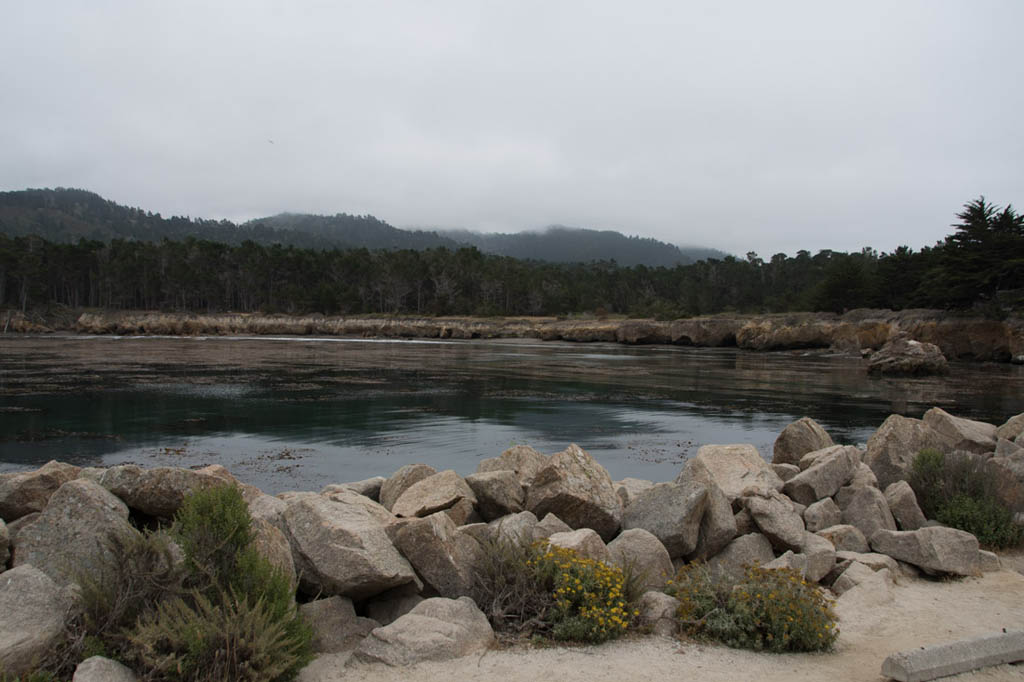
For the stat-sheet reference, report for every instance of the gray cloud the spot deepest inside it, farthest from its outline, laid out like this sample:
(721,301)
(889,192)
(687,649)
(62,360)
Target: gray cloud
(743,125)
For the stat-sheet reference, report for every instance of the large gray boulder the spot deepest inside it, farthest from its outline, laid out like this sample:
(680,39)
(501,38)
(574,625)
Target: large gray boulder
(738,468)
(370,487)
(434,493)
(845,537)
(100,669)
(822,514)
(934,549)
(903,505)
(516,528)
(962,434)
(584,542)
(672,512)
(905,356)
(1011,428)
(72,537)
(640,552)
(443,556)
(866,509)
(821,556)
(791,560)
(856,574)
(436,629)
(272,544)
(33,609)
(658,612)
(548,526)
(498,493)
(1007,448)
(336,627)
(797,439)
(745,550)
(401,480)
(863,477)
(893,447)
(573,486)
(629,488)
(340,545)
(25,492)
(718,525)
(777,519)
(523,460)
(832,469)
(158,491)
(786,471)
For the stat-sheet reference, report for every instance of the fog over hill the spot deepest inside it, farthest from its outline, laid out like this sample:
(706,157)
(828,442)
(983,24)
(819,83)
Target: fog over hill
(563,244)
(67,215)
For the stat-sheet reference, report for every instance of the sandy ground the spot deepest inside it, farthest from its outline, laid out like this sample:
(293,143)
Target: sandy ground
(920,613)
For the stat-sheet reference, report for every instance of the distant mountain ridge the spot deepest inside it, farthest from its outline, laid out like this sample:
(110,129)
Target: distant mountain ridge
(67,215)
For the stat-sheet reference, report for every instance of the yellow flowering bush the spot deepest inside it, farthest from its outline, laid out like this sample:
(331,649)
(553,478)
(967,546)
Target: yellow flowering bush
(770,610)
(533,588)
(590,600)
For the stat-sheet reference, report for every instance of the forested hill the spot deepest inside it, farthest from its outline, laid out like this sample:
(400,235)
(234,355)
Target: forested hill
(980,266)
(67,215)
(561,244)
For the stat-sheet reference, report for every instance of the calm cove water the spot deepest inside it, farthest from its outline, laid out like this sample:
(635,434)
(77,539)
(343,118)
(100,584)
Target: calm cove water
(297,413)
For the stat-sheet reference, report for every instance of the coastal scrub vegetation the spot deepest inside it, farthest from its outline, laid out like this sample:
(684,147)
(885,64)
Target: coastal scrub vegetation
(766,610)
(959,491)
(194,602)
(534,588)
(237,268)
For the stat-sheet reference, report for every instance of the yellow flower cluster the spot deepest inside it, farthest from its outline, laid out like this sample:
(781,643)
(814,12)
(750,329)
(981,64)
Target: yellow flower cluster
(589,596)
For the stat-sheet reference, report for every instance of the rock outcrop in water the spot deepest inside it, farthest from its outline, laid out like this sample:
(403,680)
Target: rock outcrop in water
(411,561)
(907,357)
(858,332)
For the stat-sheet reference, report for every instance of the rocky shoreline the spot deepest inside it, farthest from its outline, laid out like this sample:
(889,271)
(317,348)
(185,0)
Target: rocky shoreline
(959,337)
(385,566)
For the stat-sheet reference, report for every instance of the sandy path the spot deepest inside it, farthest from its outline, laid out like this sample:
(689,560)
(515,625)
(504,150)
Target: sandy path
(920,613)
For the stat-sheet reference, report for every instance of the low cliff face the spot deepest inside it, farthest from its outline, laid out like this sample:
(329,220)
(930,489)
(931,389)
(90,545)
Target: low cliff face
(958,336)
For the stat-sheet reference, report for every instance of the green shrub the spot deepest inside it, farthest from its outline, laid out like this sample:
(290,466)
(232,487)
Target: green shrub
(987,519)
(536,589)
(239,621)
(234,638)
(767,610)
(213,527)
(960,492)
(112,600)
(217,610)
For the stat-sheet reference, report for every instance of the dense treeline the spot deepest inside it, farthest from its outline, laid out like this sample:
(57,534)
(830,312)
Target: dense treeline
(980,265)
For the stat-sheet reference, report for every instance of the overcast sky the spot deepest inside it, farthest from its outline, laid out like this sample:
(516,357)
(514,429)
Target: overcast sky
(765,126)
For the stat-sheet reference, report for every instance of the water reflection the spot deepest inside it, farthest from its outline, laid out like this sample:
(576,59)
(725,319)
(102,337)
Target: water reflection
(286,413)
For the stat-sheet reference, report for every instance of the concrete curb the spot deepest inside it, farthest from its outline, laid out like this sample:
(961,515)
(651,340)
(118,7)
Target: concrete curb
(940,660)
